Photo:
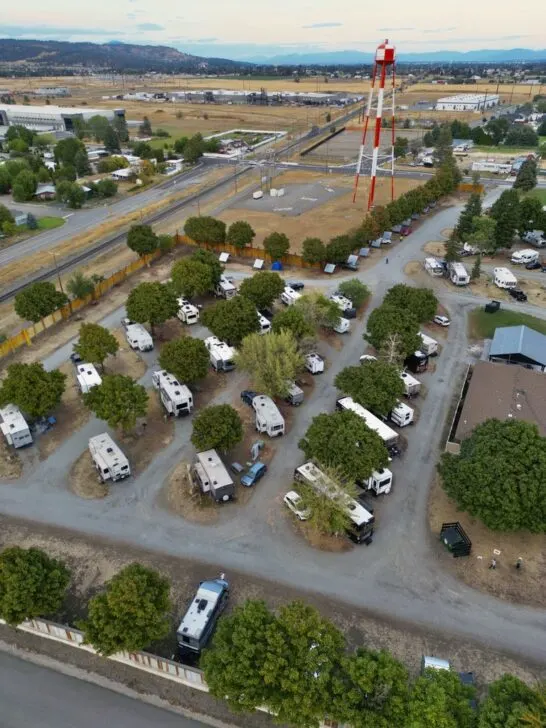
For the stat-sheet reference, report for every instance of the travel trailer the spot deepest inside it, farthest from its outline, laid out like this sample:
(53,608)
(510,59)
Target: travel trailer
(402,414)
(225,288)
(187,312)
(386,433)
(175,397)
(289,296)
(524,256)
(458,274)
(504,278)
(137,336)
(14,427)
(268,416)
(197,625)
(211,475)
(222,356)
(87,377)
(109,460)
(433,267)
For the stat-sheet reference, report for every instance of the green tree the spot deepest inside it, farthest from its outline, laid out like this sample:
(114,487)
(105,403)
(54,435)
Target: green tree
(339,249)
(5,215)
(499,475)
(111,140)
(31,584)
(191,277)
(293,319)
(375,385)
(120,127)
(95,343)
(521,135)
(180,144)
(476,271)
(526,178)
(313,250)
(240,234)
(66,150)
(483,233)
(343,440)
(80,286)
(508,700)
(453,248)
(194,148)
(151,303)
(319,310)
(131,613)
(443,150)
(327,515)
(107,188)
(276,245)
(38,300)
(531,215)
(401,146)
(211,260)
(32,222)
(5,180)
(438,699)
(262,288)
(472,209)
(142,240)
(205,230)
(187,358)
(372,690)
(145,129)
(165,242)
(18,131)
(232,320)
(388,320)
(17,147)
(369,230)
(118,400)
(505,211)
(380,216)
(35,391)
(71,194)
(65,173)
(97,127)
(24,186)
(218,427)
(271,361)
(81,163)
(421,302)
(9,229)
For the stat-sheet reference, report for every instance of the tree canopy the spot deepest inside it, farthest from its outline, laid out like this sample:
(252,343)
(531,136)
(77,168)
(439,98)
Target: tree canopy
(31,388)
(142,240)
(187,358)
(131,613)
(483,233)
(231,320)
(262,288)
(527,176)
(499,475)
(118,400)
(276,245)
(152,303)
(38,300)
(438,699)
(343,440)
(205,230)
(271,361)
(505,211)
(355,291)
(31,584)
(211,260)
(421,302)
(376,385)
(319,310)
(95,343)
(327,515)
(313,250)
(293,319)
(531,215)
(192,277)
(339,249)
(218,427)
(388,320)
(80,286)
(472,209)
(507,703)
(240,234)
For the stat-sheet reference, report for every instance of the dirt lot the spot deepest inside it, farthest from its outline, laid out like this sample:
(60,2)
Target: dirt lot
(505,582)
(10,462)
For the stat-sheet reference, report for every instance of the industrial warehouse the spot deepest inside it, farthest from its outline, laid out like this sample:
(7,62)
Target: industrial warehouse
(51,118)
(259,98)
(467,102)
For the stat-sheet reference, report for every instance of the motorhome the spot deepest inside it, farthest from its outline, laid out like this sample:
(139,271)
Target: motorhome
(402,414)
(295,394)
(222,356)
(175,397)
(343,326)
(187,312)
(14,426)
(212,476)
(87,377)
(379,482)
(265,324)
(534,237)
(386,433)
(137,336)
(504,278)
(433,267)
(458,274)
(524,256)
(314,363)
(289,296)
(225,288)
(361,527)
(429,345)
(197,625)
(109,460)
(412,386)
(268,416)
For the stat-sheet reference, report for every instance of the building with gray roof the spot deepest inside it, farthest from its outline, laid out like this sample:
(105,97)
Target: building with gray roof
(519,345)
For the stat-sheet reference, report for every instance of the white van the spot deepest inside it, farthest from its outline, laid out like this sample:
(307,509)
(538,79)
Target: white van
(504,278)
(524,256)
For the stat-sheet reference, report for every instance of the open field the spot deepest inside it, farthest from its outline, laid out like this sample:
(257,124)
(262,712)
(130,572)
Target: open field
(345,146)
(482,325)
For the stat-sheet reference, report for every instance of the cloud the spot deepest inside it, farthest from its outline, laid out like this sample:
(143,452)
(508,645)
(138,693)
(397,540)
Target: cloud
(394,30)
(131,16)
(448,29)
(322,25)
(149,26)
(52,31)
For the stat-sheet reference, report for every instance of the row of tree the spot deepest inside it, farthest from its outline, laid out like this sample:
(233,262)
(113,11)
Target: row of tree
(494,132)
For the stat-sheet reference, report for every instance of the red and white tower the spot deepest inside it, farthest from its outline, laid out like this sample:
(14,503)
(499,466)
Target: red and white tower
(384,60)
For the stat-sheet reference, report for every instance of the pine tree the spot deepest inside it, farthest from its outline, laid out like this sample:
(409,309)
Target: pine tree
(453,248)
(472,209)
(476,269)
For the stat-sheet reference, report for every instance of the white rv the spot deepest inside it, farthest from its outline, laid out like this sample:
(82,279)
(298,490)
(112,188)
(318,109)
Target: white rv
(137,336)
(268,417)
(504,278)
(289,296)
(433,267)
(110,462)
(386,433)
(187,312)
(402,415)
(211,475)
(458,274)
(295,394)
(225,288)
(429,345)
(534,237)
(265,324)
(88,377)
(344,303)
(379,482)
(175,397)
(14,426)
(524,256)
(222,356)
(412,386)
(314,363)
(343,326)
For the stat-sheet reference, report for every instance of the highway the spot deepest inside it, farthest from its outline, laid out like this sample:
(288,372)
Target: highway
(42,698)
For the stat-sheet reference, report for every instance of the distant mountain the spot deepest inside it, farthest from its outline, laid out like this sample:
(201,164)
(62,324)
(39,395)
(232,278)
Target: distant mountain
(49,55)
(350,58)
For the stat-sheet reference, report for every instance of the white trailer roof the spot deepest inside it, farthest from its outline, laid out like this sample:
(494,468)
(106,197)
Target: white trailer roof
(219,349)
(265,406)
(427,339)
(11,420)
(200,610)
(214,468)
(374,423)
(504,273)
(177,392)
(89,375)
(105,449)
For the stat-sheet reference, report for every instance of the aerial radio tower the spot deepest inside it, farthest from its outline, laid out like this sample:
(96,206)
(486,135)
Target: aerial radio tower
(384,59)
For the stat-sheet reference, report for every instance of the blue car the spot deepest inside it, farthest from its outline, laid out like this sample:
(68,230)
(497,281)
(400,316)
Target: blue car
(254,474)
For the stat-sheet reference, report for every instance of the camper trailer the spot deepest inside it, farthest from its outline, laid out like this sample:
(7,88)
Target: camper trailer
(211,475)
(386,433)
(429,345)
(458,274)
(412,386)
(265,324)
(504,278)
(379,482)
(87,377)
(175,397)
(221,355)
(14,426)
(433,267)
(402,415)
(197,626)
(109,460)
(534,237)
(289,296)
(187,312)
(137,336)
(343,326)
(524,256)
(295,394)
(224,288)
(345,304)
(268,417)
(314,363)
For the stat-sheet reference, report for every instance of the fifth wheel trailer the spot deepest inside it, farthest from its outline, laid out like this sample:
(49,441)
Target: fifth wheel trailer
(386,433)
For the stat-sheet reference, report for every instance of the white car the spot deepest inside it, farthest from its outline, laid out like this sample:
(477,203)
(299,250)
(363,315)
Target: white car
(293,502)
(441,320)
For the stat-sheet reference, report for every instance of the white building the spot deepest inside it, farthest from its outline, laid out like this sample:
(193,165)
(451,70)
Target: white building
(14,426)
(51,118)
(467,102)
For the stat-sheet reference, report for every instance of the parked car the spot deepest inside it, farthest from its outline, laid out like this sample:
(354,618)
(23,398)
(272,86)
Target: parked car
(75,358)
(296,285)
(441,320)
(293,501)
(534,265)
(518,294)
(247,395)
(254,473)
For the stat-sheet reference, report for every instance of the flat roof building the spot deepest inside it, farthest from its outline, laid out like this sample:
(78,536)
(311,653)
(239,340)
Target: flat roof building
(519,345)
(467,102)
(51,118)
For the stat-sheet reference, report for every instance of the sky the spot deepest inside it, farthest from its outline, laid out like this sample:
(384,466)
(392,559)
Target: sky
(242,29)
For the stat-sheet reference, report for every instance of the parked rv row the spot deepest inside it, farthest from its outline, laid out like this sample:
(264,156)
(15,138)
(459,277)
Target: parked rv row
(502,277)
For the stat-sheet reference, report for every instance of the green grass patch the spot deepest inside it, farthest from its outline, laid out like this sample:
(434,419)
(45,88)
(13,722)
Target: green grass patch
(539,193)
(504,150)
(482,325)
(159,143)
(49,223)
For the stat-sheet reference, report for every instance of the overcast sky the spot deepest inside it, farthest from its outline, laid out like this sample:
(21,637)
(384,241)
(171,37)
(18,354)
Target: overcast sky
(243,28)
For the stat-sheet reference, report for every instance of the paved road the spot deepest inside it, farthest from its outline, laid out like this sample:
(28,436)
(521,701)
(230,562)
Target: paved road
(397,576)
(36,696)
